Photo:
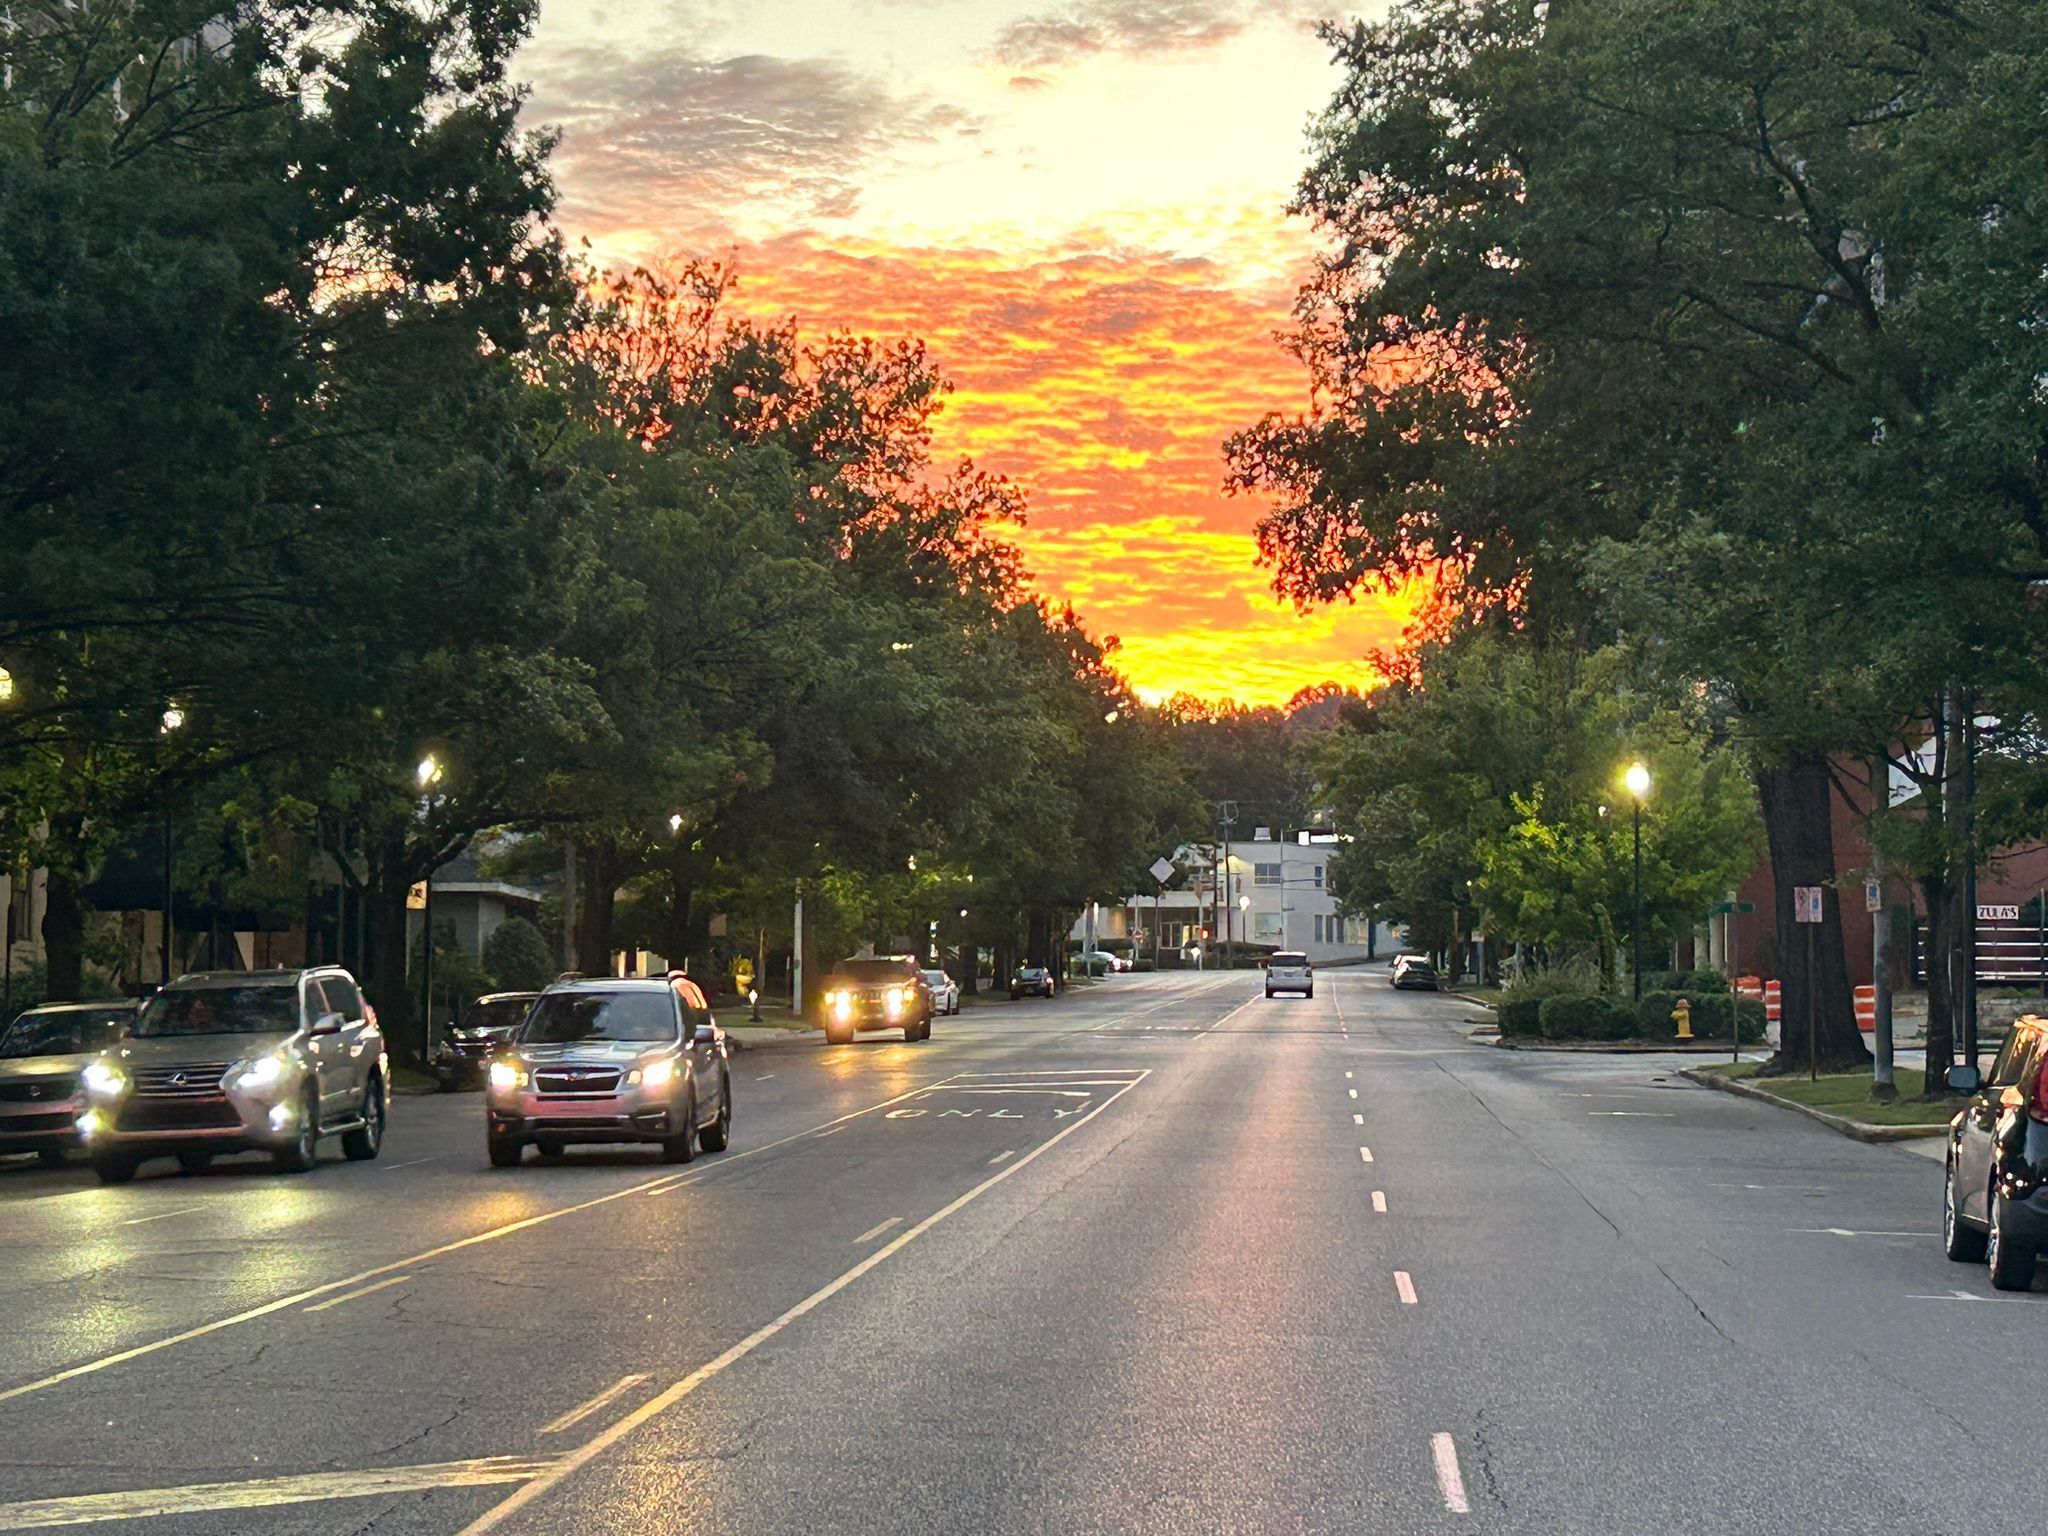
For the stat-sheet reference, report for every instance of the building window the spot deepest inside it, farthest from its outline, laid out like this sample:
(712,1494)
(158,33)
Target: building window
(1266,927)
(1319,877)
(1319,927)
(1337,928)
(1265,874)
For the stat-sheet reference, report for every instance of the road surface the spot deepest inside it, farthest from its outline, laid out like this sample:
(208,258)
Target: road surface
(1162,1256)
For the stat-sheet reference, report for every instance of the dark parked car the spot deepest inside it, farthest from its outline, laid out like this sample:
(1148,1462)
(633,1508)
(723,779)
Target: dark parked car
(877,992)
(617,1059)
(1031,981)
(1412,973)
(42,1054)
(1995,1198)
(485,1024)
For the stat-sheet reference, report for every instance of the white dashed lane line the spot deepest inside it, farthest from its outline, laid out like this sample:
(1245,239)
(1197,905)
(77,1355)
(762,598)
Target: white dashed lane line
(1365,1154)
(1449,1481)
(1404,1284)
(1379,1201)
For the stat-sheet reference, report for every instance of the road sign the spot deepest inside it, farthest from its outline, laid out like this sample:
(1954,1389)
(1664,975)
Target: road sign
(1806,903)
(416,897)
(1995,914)
(1162,870)
(1873,895)
(1722,907)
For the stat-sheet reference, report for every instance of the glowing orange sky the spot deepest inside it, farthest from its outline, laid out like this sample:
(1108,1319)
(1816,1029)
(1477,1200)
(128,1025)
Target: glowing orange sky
(1053,200)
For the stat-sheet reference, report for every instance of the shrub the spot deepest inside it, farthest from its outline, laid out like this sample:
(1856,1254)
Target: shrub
(1583,1016)
(1692,984)
(1521,1017)
(517,957)
(1709,1016)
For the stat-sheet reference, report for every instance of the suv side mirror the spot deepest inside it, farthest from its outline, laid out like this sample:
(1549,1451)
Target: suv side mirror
(1964,1079)
(706,1034)
(327,1024)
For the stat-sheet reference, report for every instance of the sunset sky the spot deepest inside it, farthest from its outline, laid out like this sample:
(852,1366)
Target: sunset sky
(1080,207)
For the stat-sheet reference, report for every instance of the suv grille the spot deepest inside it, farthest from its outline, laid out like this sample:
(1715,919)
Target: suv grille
(195,1082)
(38,1090)
(177,1114)
(578,1082)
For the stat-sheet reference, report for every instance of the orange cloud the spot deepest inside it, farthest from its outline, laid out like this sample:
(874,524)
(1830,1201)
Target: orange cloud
(1105,377)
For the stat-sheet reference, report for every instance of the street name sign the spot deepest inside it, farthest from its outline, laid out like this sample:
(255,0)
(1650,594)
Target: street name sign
(1734,906)
(1806,903)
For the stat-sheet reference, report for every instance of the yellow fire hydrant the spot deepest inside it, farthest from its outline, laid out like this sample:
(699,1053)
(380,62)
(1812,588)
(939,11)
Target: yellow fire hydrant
(1683,1014)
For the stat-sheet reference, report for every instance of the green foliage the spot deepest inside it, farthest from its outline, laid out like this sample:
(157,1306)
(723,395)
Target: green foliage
(517,957)
(1585,1016)
(1520,1017)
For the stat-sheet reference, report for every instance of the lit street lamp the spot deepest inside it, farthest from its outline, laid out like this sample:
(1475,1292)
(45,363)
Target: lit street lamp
(1637,782)
(429,774)
(173,720)
(1244,924)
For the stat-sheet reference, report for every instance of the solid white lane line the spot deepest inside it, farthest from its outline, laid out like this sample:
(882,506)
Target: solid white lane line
(335,1301)
(137,1221)
(1629,1114)
(303,1488)
(834,1131)
(588,1406)
(598,1444)
(490,1234)
(1006,1152)
(1405,1285)
(1848,1232)
(879,1228)
(764,1077)
(1379,1201)
(1358,1119)
(1444,1452)
(1365,1154)
(408,1163)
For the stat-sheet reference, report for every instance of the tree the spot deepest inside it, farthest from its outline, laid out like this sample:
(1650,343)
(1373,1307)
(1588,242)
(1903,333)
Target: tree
(517,957)
(1663,300)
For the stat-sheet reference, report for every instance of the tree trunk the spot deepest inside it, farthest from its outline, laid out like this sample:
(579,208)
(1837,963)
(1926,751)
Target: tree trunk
(1799,826)
(63,933)
(1941,1016)
(384,980)
(598,866)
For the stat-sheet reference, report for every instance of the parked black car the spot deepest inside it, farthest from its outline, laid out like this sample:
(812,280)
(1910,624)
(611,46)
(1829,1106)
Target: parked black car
(1412,973)
(1031,981)
(485,1025)
(1995,1198)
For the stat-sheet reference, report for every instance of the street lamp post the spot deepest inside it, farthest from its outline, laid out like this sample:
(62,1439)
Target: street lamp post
(429,774)
(1637,779)
(1244,923)
(173,720)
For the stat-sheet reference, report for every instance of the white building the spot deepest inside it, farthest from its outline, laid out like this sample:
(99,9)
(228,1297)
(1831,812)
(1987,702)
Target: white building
(1277,895)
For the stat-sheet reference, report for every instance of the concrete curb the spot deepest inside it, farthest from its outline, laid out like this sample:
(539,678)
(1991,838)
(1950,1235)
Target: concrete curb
(1841,1124)
(1622,1047)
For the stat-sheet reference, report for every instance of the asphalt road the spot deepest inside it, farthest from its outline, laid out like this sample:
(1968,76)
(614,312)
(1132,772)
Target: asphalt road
(1163,1256)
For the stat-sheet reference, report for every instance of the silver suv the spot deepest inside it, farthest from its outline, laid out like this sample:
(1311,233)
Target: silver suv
(238,1060)
(614,1060)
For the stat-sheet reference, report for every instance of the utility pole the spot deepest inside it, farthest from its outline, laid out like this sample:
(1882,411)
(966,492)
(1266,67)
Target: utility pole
(1969,829)
(1226,816)
(1883,1085)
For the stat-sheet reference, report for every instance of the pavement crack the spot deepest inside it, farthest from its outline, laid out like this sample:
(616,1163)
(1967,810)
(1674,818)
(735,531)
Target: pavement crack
(1695,1304)
(1482,1455)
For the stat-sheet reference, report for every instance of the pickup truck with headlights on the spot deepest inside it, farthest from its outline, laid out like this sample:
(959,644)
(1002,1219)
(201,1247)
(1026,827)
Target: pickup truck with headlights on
(869,992)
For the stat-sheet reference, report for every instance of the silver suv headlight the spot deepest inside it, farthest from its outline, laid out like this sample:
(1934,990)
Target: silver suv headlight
(105,1078)
(263,1076)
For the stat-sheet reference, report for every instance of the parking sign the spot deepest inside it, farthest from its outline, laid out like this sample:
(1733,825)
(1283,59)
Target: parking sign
(1805,903)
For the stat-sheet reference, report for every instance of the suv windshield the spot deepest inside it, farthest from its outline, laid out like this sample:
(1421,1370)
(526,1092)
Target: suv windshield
(260,1007)
(1285,957)
(62,1032)
(499,1013)
(874,970)
(559,1018)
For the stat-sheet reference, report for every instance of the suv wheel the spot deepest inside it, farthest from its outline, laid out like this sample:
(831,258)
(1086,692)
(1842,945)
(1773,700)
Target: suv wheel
(2012,1262)
(505,1150)
(1962,1243)
(713,1137)
(682,1146)
(367,1139)
(115,1167)
(304,1149)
